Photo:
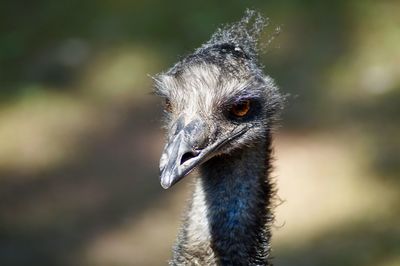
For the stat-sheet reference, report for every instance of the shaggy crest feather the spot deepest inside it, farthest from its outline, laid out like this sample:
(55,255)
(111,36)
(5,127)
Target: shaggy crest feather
(244,34)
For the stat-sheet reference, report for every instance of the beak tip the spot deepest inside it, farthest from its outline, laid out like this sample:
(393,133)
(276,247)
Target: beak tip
(165,182)
(165,186)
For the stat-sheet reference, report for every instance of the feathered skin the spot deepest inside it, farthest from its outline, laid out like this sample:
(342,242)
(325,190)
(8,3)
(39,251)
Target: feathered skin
(229,215)
(231,198)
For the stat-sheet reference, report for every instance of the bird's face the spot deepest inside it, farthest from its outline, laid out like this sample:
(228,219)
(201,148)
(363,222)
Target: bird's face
(210,112)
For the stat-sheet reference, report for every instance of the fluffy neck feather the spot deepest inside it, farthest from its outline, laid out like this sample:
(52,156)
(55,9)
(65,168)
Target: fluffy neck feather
(227,222)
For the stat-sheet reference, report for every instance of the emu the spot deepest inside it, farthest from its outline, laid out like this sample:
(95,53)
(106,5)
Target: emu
(220,109)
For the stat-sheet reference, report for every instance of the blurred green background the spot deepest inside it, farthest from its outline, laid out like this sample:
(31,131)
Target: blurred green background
(80,135)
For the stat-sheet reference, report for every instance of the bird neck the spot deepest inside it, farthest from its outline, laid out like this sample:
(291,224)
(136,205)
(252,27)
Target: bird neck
(229,215)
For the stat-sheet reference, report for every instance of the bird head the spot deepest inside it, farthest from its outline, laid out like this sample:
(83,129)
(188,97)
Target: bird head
(217,100)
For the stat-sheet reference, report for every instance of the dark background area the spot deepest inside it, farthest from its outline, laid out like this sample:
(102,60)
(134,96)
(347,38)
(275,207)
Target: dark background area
(80,133)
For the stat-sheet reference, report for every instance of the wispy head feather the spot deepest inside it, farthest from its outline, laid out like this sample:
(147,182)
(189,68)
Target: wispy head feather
(233,47)
(244,33)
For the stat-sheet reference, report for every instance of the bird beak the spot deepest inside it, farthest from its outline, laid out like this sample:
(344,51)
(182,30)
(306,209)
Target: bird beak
(180,155)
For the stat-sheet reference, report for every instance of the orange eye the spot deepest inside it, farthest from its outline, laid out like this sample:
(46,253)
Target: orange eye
(168,106)
(240,109)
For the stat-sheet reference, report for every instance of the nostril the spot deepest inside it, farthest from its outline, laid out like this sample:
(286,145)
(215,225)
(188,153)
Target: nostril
(187,156)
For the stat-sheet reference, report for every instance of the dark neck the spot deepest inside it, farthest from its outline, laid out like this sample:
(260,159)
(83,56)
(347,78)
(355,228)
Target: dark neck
(232,198)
